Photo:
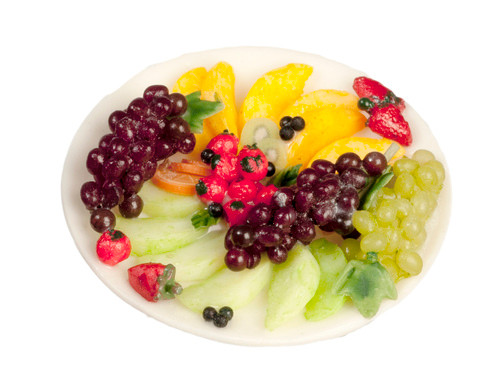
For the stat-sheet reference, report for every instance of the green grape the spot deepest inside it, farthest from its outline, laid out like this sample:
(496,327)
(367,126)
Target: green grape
(403,208)
(364,222)
(426,178)
(351,248)
(411,227)
(404,165)
(390,265)
(423,204)
(409,261)
(439,169)
(386,193)
(394,238)
(423,156)
(405,185)
(375,241)
(386,214)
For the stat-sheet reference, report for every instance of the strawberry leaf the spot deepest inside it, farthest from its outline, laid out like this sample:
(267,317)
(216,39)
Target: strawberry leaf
(198,110)
(202,219)
(287,176)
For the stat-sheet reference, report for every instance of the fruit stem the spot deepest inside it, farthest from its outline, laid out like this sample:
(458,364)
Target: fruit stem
(391,151)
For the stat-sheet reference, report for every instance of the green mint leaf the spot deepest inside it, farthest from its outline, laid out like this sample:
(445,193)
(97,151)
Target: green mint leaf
(198,110)
(369,195)
(287,176)
(202,219)
(367,283)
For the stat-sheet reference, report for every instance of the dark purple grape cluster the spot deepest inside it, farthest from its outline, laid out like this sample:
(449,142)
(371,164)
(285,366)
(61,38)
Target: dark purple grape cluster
(149,130)
(325,195)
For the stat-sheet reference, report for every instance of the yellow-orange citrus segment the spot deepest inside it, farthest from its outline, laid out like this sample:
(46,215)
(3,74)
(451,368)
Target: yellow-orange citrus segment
(195,167)
(323,126)
(175,182)
(273,92)
(358,145)
(319,99)
(190,81)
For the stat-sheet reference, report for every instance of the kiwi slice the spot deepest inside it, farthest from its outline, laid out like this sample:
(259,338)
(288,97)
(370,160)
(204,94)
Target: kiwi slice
(275,151)
(258,129)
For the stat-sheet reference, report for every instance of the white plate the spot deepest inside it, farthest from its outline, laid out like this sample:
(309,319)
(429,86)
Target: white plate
(247,328)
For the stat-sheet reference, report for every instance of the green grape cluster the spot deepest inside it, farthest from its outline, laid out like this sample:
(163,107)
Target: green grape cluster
(394,226)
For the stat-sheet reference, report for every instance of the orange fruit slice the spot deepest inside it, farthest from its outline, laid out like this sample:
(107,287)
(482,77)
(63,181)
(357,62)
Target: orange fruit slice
(195,167)
(175,182)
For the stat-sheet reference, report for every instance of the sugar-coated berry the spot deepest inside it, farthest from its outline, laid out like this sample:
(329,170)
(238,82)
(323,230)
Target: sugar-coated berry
(287,133)
(227,312)
(207,155)
(298,123)
(102,220)
(215,209)
(209,313)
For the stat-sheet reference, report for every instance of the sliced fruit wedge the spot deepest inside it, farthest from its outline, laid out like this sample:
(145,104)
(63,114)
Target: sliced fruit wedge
(195,167)
(321,98)
(358,145)
(175,182)
(273,92)
(258,129)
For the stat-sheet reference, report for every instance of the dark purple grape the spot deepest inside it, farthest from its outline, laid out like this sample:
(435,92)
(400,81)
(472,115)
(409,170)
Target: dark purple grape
(342,222)
(91,195)
(353,234)
(284,217)
(177,128)
(236,260)
(348,198)
(288,242)
(304,199)
(186,144)
(283,197)
(148,169)
(323,212)
(114,167)
(328,227)
(112,196)
(102,220)
(323,167)
(257,247)
(155,90)
(105,142)
(304,231)
(138,108)
(141,151)
(243,235)
(114,118)
(307,178)
(179,104)
(327,189)
(95,160)
(277,255)
(228,242)
(149,130)
(298,123)
(269,235)
(260,214)
(329,176)
(162,124)
(347,160)
(131,206)
(165,148)
(125,129)
(253,260)
(355,177)
(161,106)
(132,182)
(117,146)
(374,163)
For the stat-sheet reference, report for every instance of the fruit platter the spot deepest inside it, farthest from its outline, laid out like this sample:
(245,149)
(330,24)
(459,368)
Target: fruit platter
(257,196)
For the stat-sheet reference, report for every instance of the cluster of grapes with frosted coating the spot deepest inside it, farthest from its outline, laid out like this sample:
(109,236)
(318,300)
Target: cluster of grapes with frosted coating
(149,130)
(325,195)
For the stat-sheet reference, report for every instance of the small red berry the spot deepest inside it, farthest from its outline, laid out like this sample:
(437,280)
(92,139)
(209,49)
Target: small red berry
(389,123)
(265,195)
(113,247)
(225,166)
(244,190)
(211,189)
(236,212)
(224,143)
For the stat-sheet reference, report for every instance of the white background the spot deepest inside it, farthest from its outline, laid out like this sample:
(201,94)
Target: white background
(60,58)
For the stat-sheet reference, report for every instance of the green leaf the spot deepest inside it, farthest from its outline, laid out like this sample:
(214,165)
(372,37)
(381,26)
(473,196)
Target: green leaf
(198,110)
(367,283)
(287,176)
(202,219)
(368,197)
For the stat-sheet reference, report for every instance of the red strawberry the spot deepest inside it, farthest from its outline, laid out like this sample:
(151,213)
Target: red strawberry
(224,143)
(225,166)
(252,163)
(211,189)
(368,88)
(243,190)
(113,247)
(390,123)
(236,212)
(265,195)
(154,281)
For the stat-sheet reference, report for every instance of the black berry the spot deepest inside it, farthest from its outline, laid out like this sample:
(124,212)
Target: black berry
(285,121)
(286,133)
(220,321)
(207,155)
(209,313)
(365,104)
(215,209)
(227,312)
(298,123)
(271,169)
